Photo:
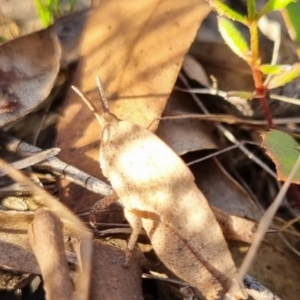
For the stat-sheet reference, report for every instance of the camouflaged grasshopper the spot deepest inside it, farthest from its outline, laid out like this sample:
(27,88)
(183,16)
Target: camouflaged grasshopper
(158,193)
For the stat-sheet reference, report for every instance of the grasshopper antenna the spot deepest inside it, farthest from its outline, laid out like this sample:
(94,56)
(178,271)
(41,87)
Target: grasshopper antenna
(89,103)
(102,95)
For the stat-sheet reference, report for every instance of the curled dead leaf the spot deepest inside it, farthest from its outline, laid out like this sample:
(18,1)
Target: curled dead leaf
(28,69)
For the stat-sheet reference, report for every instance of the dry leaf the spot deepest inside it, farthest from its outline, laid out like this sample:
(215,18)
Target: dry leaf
(28,69)
(184,135)
(8,29)
(69,29)
(15,251)
(275,266)
(74,231)
(223,191)
(218,60)
(195,71)
(47,241)
(73,225)
(234,227)
(110,279)
(137,54)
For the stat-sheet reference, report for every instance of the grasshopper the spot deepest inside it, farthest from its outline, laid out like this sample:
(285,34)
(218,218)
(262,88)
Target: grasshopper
(158,193)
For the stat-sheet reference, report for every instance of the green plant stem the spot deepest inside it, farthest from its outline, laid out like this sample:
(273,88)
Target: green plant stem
(260,89)
(254,42)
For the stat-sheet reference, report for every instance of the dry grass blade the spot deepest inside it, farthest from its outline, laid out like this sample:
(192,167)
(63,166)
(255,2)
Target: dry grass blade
(60,210)
(266,221)
(42,196)
(83,250)
(47,241)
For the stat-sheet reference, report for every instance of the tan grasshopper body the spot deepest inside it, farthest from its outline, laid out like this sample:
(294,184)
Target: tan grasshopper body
(158,192)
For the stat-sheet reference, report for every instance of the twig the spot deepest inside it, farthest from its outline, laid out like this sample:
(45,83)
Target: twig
(212,91)
(257,291)
(196,161)
(228,134)
(33,159)
(55,165)
(156,277)
(285,99)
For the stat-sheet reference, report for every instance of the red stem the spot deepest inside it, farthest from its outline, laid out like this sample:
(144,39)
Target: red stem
(260,89)
(261,93)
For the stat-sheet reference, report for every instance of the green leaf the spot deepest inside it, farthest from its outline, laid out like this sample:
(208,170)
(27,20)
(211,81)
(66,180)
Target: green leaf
(285,77)
(275,5)
(251,10)
(274,69)
(224,10)
(233,37)
(292,21)
(284,151)
(240,94)
(43,12)
(72,5)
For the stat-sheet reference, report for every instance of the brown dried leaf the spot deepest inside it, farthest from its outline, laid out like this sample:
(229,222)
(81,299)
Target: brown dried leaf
(8,29)
(234,227)
(218,60)
(184,135)
(137,54)
(28,69)
(194,70)
(47,241)
(15,251)
(223,192)
(275,266)
(69,29)
(110,279)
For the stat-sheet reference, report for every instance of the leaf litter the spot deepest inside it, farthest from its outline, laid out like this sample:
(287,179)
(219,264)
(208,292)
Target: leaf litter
(111,71)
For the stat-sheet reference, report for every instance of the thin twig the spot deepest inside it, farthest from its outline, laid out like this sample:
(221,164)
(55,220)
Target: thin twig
(55,165)
(215,154)
(214,92)
(257,291)
(228,134)
(33,159)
